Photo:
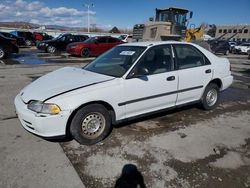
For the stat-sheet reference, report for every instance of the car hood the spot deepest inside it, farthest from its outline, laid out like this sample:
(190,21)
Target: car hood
(61,81)
(49,41)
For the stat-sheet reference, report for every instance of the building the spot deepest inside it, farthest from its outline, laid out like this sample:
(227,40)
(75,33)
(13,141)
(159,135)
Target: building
(240,33)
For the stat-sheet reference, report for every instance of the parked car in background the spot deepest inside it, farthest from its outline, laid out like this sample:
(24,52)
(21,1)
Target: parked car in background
(128,81)
(20,41)
(93,46)
(248,52)
(126,38)
(7,46)
(41,36)
(219,46)
(232,45)
(241,49)
(28,37)
(60,43)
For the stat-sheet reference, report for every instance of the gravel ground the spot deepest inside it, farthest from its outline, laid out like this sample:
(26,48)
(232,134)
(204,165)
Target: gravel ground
(185,147)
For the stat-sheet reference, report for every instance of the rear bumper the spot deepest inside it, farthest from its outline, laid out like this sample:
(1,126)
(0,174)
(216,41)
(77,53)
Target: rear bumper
(43,125)
(226,82)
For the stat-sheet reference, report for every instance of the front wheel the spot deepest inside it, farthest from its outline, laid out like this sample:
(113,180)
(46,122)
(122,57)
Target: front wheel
(85,52)
(91,124)
(210,97)
(2,53)
(28,42)
(51,49)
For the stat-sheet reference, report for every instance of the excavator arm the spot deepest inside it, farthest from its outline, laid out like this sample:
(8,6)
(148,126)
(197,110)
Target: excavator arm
(193,34)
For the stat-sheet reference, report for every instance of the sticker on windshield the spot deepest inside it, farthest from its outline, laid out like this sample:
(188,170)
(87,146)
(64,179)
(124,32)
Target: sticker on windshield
(127,53)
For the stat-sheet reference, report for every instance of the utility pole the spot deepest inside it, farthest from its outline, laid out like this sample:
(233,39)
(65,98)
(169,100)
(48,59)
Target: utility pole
(88,5)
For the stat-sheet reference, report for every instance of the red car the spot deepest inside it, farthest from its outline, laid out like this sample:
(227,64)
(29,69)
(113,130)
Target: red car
(93,46)
(41,36)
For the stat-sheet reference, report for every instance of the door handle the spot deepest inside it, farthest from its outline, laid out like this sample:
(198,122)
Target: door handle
(170,78)
(208,71)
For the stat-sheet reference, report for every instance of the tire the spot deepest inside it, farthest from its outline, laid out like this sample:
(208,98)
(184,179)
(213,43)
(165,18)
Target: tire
(226,52)
(2,53)
(51,49)
(91,124)
(28,42)
(85,52)
(210,98)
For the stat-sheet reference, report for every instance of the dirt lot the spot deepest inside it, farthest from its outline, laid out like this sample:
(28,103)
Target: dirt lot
(186,147)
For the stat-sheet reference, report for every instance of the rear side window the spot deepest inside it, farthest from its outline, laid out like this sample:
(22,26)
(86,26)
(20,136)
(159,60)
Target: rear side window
(102,40)
(112,40)
(189,57)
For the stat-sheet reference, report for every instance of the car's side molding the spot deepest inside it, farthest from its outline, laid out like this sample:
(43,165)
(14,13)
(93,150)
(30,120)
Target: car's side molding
(76,89)
(159,95)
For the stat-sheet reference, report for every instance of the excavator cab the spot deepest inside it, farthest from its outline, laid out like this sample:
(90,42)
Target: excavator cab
(176,16)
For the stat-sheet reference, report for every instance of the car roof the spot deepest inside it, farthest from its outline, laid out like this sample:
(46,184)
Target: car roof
(153,43)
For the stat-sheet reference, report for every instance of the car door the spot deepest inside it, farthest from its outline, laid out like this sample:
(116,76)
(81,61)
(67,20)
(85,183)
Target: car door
(101,45)
(60,42)
(194,70)
(152,83)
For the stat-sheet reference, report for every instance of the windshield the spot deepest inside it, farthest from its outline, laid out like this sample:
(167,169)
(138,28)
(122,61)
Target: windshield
(116,61)
(59,36)
(174,17)
(122,37)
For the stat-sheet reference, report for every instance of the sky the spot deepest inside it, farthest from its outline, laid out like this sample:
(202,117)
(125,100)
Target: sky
(121,13)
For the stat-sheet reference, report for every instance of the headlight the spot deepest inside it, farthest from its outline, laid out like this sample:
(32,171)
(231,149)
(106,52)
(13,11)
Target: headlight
(46,108)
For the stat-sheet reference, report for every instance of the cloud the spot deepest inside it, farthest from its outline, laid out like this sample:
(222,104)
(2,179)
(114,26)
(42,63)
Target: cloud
(38,12)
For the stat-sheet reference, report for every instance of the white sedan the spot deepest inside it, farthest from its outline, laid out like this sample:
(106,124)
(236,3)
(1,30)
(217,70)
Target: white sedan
(128,81)
(242,48)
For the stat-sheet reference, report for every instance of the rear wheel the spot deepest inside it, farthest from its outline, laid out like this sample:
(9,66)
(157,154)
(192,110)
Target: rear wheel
(91,124)
(85,52)
(2,53)
(210,97)
(28,42)
(51,49)
(226,52)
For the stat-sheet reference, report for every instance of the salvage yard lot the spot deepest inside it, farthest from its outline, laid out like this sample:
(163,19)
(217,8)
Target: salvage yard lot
(186,147)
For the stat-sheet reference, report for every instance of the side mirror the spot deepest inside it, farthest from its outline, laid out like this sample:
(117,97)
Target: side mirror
(191,15)
(96,42)
(143,71)
(151,19)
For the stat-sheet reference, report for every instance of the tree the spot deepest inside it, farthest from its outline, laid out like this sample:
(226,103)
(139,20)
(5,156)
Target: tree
(114,30)
(212,30)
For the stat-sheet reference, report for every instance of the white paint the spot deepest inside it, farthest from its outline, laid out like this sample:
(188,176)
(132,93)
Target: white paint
(70,88)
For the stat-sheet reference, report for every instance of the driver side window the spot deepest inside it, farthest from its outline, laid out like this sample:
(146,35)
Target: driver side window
(156,60)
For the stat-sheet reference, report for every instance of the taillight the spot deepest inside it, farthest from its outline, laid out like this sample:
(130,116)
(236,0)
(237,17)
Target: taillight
(13,41)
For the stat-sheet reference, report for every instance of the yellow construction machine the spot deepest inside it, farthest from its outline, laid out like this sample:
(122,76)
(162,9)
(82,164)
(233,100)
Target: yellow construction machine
(193,34)
(168,24)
